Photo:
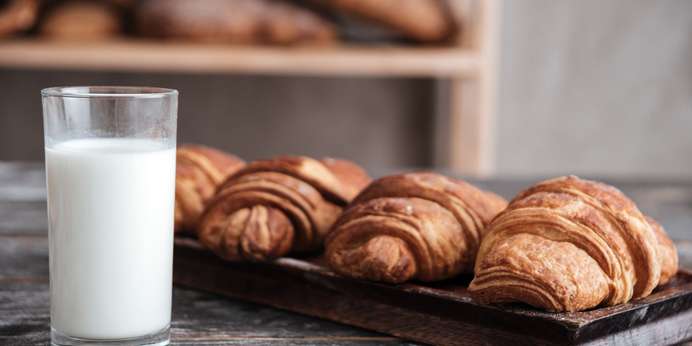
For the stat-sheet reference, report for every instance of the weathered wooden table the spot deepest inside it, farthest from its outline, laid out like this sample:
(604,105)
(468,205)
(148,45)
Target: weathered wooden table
(206,319)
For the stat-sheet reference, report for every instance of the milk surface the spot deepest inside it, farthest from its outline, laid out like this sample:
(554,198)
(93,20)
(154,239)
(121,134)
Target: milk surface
(111,236)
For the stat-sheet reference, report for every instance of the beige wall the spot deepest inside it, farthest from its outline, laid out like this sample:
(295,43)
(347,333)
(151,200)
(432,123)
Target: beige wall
(598,87)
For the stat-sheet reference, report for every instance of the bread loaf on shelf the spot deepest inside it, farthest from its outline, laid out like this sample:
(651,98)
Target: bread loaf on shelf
(569,244)
(232,21)
(273,207)
(421,226)
(81,21)
(421,20)
(17,16)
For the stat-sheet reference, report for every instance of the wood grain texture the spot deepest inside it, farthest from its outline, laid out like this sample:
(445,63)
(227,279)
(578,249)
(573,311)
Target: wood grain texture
(24,313)
(439,314)
(23,258)
(22,198)
(152,56)
(25,218)
(198,318)
(22,181)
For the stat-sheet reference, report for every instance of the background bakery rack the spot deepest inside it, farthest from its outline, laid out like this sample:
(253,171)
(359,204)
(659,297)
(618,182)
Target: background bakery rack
(465,72)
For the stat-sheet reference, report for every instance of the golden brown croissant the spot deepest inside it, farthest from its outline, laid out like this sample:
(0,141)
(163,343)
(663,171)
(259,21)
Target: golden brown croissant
(199,171)
(568,244)
(271,207)
(667,253)
(421,226)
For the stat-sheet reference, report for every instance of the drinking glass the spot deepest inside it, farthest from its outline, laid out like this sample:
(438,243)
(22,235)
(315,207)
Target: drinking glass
(110,172)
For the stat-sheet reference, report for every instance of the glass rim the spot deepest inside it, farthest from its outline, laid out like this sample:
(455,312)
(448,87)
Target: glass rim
(107,91)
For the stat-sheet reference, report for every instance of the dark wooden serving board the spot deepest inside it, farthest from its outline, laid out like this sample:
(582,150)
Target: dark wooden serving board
(442,313)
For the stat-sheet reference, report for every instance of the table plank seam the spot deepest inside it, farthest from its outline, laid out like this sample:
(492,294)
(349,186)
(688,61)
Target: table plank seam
(177,338)
(20,235)
(24,279)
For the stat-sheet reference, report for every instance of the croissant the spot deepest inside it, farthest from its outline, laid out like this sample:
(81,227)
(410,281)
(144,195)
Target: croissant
(667,253)
(199,171)
(569,244)
(271,207)
(421,226)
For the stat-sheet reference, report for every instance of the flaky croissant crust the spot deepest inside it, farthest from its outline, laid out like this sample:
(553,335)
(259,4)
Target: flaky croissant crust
(417,225)
(271,207)
(199,171)
(568,244)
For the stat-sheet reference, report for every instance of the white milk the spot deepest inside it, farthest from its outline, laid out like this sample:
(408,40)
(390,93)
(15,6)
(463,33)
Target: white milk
(111,236)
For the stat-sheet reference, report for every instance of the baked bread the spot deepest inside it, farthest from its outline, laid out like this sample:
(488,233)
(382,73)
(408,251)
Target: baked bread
(421,20)
(199,171)
(273,207)
(81,20)
(421,226)
(568,244)
(17,15)
(232,21)
(667,253)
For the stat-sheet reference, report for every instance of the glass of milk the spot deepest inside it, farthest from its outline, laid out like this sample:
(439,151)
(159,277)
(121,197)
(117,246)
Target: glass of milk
(110,171)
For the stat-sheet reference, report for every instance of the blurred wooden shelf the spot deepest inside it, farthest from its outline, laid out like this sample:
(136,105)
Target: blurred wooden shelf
(465,74)
(150,56)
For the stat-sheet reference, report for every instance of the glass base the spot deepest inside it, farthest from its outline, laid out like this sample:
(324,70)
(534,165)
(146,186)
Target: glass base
(159,338)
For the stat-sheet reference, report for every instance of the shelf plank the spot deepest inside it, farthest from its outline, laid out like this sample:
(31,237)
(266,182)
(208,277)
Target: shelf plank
(149,56)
